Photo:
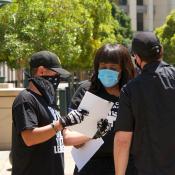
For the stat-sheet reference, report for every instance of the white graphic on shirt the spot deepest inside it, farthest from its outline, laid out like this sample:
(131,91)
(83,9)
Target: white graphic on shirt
(112,115)
(59,147)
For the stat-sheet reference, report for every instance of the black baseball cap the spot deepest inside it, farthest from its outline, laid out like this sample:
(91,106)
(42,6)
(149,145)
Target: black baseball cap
(49,60)
(146,44)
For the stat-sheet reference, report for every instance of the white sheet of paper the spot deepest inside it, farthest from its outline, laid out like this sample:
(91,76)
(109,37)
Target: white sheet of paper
(98,108)
(82,155)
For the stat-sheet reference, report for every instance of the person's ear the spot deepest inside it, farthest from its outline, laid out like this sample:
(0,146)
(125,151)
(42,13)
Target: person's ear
(138,60)
(40,71)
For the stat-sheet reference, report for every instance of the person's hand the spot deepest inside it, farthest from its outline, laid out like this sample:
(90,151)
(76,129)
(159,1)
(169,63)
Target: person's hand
(102,128)
(74,117)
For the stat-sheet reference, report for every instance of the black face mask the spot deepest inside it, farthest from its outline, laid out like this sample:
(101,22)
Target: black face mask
(54,80)
(46,89)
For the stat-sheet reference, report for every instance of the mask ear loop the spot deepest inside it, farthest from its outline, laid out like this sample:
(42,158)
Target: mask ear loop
(136,63)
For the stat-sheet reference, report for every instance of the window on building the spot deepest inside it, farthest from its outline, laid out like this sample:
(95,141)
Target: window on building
(139,21)
(122,2)
(139,2)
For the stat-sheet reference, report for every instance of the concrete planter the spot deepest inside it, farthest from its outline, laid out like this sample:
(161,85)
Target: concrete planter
(7,97)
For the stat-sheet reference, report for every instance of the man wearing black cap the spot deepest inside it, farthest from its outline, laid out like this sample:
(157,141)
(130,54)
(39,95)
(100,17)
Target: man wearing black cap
(38,135)
(146,120)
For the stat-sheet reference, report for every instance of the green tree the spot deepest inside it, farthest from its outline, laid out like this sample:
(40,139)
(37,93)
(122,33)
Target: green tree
(72,29)
(166,34)
(124,21)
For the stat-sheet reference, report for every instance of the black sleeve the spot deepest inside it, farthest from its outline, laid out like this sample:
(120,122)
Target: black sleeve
(125,120)
(24,117)
(78,95)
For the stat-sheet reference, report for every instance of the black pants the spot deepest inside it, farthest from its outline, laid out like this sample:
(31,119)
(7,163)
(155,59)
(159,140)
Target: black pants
(98,166)
(103,166)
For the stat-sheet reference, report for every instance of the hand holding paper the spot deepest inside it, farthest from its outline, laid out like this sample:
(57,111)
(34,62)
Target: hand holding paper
(102,128)
(98,109)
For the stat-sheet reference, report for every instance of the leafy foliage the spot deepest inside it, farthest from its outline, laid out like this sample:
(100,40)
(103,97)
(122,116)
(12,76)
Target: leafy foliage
(166,34)
(72,29)
(124,23)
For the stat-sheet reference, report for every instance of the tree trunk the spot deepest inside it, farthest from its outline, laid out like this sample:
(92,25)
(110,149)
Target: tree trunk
(19,77)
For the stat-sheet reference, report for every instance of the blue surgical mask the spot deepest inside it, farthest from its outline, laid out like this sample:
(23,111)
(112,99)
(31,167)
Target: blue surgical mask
(108,78)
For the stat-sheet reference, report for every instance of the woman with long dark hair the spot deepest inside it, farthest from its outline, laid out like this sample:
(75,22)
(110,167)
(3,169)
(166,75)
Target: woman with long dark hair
(112,69)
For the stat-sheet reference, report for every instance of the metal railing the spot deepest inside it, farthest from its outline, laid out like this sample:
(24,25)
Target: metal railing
(65,95)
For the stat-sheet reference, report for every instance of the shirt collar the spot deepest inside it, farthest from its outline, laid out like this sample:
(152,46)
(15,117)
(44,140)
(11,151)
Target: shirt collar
(152,66)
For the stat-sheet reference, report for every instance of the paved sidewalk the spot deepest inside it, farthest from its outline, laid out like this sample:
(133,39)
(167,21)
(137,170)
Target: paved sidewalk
(5,166)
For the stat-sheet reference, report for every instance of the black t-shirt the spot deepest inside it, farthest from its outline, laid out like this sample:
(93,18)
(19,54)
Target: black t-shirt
(102,163)
(30,110)
(147,109)
(106,150)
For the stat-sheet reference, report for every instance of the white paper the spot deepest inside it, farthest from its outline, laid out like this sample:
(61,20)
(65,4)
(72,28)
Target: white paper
(98,108)
(83,154)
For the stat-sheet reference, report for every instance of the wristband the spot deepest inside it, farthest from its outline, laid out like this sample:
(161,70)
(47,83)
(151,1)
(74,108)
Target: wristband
(53,126)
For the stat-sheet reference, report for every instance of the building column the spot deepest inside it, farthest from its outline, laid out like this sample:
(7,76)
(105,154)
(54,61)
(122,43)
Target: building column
(150,15)
(133,13)
(172,5)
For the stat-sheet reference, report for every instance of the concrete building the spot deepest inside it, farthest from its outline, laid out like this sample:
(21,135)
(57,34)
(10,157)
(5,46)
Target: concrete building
(8,74)
(146,15)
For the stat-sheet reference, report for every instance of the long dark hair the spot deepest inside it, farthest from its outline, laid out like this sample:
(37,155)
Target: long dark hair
(112,53)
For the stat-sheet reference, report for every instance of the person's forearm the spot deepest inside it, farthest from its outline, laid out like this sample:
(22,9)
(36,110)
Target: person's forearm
(73,138)
(121,154)
(121,159)
(40,134)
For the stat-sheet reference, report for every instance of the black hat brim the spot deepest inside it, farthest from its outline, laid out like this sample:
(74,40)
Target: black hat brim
(63,73)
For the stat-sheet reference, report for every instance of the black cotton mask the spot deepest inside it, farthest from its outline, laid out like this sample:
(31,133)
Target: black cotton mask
(54,80)
(46,89)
